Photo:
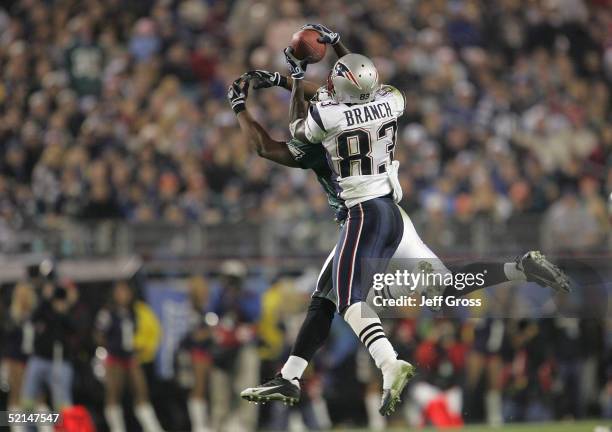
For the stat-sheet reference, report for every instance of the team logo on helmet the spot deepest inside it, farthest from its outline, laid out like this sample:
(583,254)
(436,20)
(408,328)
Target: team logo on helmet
(345,72)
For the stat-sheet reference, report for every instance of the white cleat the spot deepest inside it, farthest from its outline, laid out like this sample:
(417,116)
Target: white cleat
(403,372)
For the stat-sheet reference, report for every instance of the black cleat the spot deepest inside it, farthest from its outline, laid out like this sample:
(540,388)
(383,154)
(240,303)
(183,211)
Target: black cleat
(390,397)
(277,389)
(541,271)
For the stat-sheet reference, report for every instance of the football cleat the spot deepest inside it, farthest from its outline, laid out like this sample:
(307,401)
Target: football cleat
(277,389)
(541,271)
(403,373)
(431,291)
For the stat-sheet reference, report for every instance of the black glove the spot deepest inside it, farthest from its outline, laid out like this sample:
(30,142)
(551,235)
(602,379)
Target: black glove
(297,67)
(237,94)
(327,36)
(265,79)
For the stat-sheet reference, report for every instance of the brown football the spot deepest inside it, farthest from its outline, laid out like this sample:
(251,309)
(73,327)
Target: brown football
(306,46)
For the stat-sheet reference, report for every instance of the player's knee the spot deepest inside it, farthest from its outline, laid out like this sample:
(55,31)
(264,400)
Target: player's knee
(343,308)
(322,305)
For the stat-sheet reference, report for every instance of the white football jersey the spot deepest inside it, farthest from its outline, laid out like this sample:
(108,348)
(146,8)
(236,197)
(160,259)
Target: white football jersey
(360,142)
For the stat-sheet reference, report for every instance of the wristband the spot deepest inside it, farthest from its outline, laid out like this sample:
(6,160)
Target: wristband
(239,107)
(283,82)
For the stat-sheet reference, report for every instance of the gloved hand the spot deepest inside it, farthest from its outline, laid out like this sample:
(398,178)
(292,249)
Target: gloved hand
(327,36)
(265,79)
(237,94)
(297,67)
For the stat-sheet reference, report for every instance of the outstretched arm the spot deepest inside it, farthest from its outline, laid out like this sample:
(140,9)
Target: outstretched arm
(310,88)
(265,79)
(257,136)
(298,107)
(266,147)
(341,49)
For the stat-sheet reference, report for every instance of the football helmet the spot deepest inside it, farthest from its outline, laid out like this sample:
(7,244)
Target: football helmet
(353,79)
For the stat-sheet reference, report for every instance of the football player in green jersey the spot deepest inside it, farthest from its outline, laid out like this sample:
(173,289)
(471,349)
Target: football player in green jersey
(316,326)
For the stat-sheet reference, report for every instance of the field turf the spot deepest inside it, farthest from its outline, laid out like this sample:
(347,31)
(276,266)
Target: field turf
(583,426)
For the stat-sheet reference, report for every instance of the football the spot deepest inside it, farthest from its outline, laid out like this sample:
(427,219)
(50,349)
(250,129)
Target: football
(306,46)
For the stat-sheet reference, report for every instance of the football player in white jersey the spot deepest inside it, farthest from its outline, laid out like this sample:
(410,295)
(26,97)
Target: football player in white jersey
(357,127)
(358,130)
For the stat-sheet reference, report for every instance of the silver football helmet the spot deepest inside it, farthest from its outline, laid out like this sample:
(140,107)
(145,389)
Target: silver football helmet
(353,79)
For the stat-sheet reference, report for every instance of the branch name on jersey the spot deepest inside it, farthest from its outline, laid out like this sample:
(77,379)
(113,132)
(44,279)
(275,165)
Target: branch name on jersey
(360,142)
(366,113)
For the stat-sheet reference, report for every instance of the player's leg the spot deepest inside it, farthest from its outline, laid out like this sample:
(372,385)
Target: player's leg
(532,267)
(414,255)
(314,331)
(316,326)
(373,231)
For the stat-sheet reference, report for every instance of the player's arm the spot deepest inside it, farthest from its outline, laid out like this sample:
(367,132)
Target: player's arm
(298,107)
(305,123)
(257,136)
(310,88)
(297,112)
(330,37)
(265,146)
(264,79)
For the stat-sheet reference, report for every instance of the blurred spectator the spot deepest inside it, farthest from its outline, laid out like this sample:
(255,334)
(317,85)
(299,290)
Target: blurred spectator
(50,364)
(116,327)
(199,341)
(235,357)
(571,225)
(18,340)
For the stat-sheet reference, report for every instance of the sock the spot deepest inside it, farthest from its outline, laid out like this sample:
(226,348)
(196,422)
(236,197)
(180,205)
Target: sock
(15,427)
(513,273)
(146,417)
(367,326)
(376,421)
(493,404)
(294,367)
(197,414)
(114,418)
(295,422)
(44,427)
(321,413)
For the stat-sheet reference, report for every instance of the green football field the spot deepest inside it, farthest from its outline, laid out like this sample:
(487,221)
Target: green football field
(586,426)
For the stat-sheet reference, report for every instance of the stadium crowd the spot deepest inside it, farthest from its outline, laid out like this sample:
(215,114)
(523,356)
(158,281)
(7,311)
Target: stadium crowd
(116,109)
